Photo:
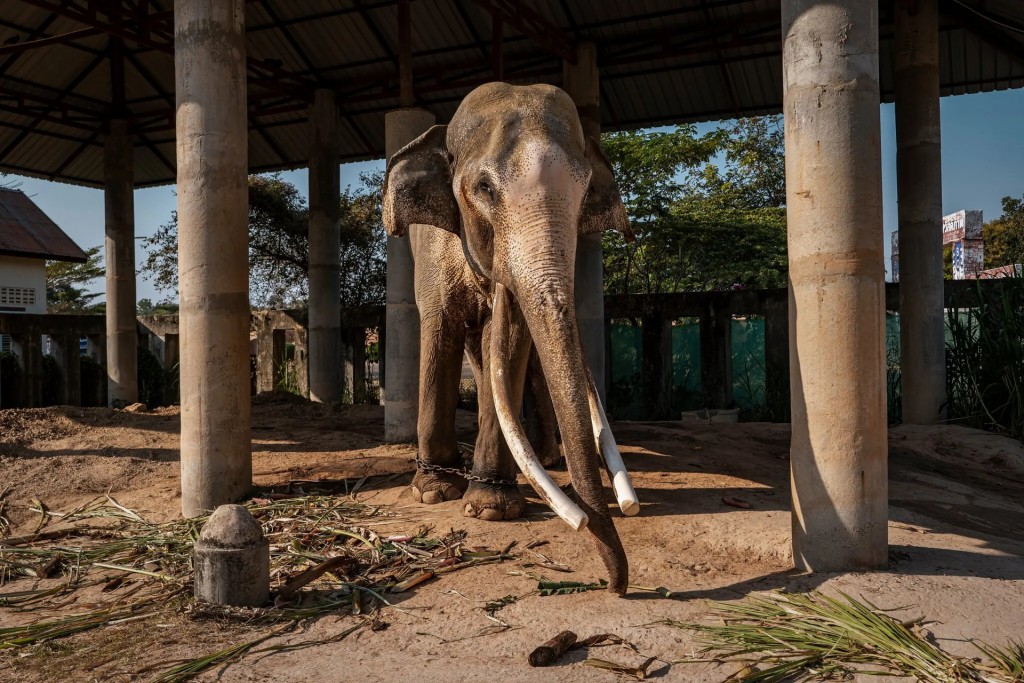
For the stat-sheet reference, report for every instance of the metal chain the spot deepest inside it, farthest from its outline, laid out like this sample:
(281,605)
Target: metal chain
(423,466)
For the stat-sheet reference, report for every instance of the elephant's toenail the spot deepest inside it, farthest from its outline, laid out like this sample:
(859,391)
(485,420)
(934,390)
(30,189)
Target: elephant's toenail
(490,515)
(417,495)
(432,498)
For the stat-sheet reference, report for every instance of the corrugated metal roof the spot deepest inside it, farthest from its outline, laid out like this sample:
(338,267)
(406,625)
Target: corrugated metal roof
(662,61)
(26,231)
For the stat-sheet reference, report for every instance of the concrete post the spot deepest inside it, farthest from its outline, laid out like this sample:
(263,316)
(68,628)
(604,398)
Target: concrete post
(776,357)
(326,383)
(402,350)
(836,274)
(119,209)
(716,356)
(213,265)
(656,366)
(359,365)
(232,560)
(583,83)
(919,184)
(65,349)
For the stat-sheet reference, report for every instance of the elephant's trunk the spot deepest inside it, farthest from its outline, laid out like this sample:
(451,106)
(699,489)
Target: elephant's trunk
(544,291)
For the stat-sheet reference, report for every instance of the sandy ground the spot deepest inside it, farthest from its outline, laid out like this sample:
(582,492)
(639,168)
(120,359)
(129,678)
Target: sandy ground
(956,545)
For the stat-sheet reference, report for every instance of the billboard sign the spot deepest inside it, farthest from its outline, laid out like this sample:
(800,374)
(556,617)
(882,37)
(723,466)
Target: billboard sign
(962,225)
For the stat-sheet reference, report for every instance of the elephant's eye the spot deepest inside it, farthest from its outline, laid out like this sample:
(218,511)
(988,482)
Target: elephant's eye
(484,188)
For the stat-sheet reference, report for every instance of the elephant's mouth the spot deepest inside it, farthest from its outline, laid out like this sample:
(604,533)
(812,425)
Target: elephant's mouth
(518,443)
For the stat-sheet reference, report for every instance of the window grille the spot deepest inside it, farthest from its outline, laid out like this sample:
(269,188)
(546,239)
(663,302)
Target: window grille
(17,296)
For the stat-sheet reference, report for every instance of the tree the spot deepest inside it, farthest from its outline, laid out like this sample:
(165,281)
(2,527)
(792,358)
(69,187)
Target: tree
(65,292)
(700,226)
(651,169)
(279,245)
(147,307)
(755,175)
(1004,236)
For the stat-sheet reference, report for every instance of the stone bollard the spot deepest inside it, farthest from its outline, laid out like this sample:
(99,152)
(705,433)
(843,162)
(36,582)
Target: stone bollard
(232,559)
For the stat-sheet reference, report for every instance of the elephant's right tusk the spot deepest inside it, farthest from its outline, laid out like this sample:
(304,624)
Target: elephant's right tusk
(510,427)
(606,446)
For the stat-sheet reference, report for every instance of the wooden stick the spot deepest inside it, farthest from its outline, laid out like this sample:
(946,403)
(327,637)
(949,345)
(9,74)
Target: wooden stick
(553,649)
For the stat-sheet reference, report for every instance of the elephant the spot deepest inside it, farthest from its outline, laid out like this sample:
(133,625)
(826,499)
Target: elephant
(493,204)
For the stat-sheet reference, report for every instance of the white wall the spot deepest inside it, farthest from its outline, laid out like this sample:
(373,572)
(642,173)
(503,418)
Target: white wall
(19,274)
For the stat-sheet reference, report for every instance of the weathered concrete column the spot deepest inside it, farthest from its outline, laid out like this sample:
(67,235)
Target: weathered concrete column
(919,184)
(213,265)
(836,274)
(326,383)
(402,350)
(583,83)
(119,210)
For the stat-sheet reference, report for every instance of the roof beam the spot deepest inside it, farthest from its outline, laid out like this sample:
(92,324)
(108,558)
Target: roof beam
(985,31)
(533,25)
(49,40)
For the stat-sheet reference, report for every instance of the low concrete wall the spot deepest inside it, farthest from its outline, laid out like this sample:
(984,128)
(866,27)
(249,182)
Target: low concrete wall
(274,331)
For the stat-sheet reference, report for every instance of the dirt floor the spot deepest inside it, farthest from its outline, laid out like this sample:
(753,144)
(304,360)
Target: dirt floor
(956,535)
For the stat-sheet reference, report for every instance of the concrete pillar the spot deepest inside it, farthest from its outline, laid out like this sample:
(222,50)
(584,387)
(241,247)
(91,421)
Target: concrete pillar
(119,209)
(837,288)
(359,365)
(656,368)
(171,353)
(213,265)
(65,350)
(776,357)
(919,184)
(402,350)
(583,83)
(716,356)
(326,383)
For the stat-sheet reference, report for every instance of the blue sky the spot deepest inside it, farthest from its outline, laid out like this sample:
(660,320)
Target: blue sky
(982,162)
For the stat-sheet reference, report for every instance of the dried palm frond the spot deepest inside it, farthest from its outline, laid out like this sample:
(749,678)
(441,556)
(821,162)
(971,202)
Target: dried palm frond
(325,557)
(803,636)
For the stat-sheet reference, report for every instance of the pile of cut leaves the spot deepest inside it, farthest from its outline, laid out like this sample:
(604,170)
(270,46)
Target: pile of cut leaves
(788,637)
(104,564)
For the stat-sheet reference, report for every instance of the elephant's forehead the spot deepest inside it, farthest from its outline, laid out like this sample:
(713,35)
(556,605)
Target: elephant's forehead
(534,162)
(497,117)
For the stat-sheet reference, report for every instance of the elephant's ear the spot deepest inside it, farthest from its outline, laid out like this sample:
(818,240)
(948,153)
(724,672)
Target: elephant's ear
(602,207)
(418,186)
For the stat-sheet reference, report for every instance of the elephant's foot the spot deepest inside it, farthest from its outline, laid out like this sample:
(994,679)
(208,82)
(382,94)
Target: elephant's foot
(436,487)
(550,458)
(493,502)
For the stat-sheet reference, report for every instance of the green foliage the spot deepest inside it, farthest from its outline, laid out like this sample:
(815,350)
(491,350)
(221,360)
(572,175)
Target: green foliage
(698,226)
(279,245)
(985,358)
(1004,237)
(147,307)
(65,284)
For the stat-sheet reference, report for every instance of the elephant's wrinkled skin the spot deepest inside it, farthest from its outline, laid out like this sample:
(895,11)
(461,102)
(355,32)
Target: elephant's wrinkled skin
(494,203)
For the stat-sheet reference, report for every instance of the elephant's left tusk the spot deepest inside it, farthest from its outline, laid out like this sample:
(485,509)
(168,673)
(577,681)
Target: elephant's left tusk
(606,446)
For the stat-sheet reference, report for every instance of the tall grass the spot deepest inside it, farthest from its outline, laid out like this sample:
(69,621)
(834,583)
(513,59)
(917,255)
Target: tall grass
(985,358)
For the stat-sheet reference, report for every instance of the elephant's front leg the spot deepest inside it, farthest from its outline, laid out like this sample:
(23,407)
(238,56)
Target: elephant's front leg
(494,494)
(442,339)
